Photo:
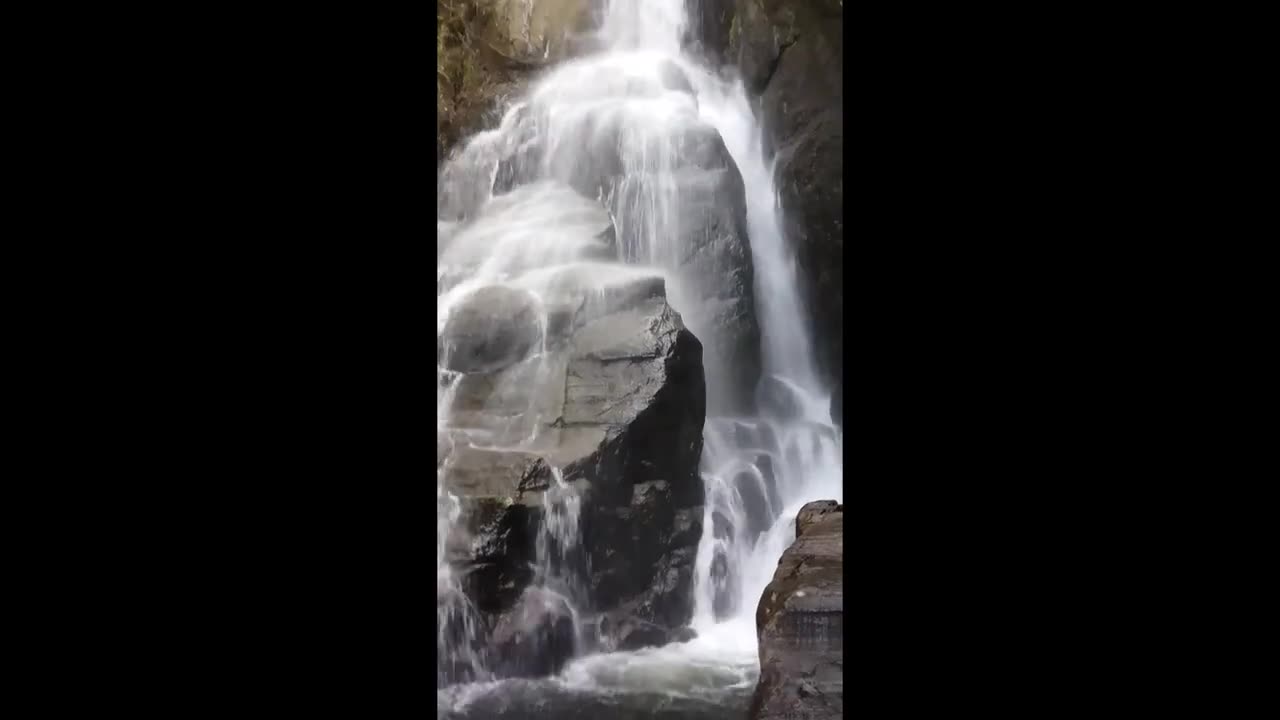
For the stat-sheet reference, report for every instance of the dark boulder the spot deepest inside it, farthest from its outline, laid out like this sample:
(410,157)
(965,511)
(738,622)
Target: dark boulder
(686,527)
(500,493)
(636,634)
(756,501)
(668,601)
(536,637)
(800,623)
(722,599)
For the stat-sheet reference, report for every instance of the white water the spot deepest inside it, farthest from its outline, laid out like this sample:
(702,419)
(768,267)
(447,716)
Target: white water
(758,471)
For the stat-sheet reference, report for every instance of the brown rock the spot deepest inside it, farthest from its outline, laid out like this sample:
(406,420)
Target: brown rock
(800,623)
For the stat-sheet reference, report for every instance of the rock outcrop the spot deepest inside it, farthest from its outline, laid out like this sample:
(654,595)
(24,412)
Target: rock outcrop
(800,623)
(614,397)
(790,55)
(535,637)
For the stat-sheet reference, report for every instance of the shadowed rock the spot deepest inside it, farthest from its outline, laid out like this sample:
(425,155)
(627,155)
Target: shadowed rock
(536,637)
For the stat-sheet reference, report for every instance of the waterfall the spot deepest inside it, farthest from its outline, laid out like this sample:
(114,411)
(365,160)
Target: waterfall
(651,105)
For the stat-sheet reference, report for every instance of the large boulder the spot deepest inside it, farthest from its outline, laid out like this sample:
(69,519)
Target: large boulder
(616,403)
(800,623)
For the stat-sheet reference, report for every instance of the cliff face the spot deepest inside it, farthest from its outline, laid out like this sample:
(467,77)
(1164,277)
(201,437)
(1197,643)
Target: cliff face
(800,623)
(791,56)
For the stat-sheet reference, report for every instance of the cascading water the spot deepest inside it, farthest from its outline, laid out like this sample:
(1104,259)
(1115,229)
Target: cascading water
(645,104)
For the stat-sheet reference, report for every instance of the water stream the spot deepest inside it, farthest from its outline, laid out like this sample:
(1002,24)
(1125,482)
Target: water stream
(650,94)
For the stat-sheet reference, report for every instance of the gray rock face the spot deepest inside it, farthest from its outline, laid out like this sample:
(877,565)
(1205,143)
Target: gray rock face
(617,402)
(800,623)
(493,328)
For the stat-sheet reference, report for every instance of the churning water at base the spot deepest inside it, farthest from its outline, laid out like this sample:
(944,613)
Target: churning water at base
(758,471)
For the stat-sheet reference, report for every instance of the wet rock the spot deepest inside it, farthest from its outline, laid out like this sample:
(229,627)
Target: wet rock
(689,172)
(627,543)
(508,475)
(619,407)
(710,25)
(803,116)
(686,527)
(815,512)
(493,328)
(531,227)
(765,465)
(444,445)
(636,634)
(721,526)
(665,603)
(636,376)
(536,637)
(669,599)
(779,399)
(755,501)
(755,434)
(790,56)
(684,634)
(719,269)
(722,600)
(499,492)
(800,621)
(673,78)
